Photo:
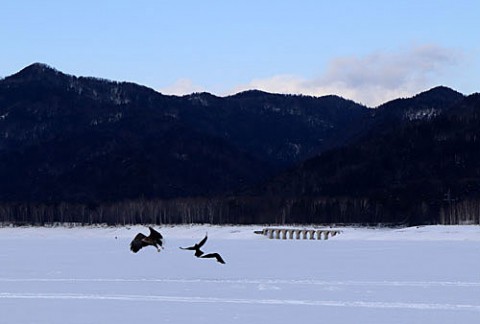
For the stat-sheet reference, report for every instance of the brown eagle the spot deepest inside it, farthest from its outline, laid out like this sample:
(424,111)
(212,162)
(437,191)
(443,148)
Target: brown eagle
(200,254)
(155,239)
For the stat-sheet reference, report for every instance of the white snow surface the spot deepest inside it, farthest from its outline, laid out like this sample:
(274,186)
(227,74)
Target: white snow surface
(428,274)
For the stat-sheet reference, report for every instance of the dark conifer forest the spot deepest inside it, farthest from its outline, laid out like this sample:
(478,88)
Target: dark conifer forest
(88,150)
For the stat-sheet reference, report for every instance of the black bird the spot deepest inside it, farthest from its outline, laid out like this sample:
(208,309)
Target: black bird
(155,239)
(197,247)
(200,254)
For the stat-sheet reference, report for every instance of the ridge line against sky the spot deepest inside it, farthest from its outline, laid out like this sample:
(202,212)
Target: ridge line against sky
(369,51)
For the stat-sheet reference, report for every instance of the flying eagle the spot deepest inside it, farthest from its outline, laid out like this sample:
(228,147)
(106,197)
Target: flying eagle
(200,254)
(155,239)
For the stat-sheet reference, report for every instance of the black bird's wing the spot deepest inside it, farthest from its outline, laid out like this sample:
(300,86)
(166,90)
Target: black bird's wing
(196,246)
(202,242)
(137,243)
(188,248)
(214,255)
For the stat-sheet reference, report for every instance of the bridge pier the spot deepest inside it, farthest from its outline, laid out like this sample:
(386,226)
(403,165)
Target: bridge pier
(319,234)
(290,233)
(304,234)
(270,233)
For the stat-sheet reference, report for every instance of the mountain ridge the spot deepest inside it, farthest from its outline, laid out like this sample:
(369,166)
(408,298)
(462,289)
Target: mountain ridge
(84,140)
(411,172)
(43,107)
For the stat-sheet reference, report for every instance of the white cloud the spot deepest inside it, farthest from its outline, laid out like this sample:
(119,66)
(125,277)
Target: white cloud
(372,79)
(181,87)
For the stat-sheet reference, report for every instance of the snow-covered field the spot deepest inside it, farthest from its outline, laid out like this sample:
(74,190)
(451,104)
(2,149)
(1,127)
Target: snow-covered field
(364,275)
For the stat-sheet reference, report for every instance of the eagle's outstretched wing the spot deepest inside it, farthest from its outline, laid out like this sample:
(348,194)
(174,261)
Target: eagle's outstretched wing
(155,237)
(154,234)
(137,243)
(214,255)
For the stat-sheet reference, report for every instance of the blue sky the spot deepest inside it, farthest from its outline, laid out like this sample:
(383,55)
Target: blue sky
(368,51)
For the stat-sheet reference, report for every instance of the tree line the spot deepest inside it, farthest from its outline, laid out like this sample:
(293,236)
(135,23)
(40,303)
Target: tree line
(244,210)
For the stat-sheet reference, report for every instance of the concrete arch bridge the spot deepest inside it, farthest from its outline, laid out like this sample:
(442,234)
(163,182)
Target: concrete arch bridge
(298,234)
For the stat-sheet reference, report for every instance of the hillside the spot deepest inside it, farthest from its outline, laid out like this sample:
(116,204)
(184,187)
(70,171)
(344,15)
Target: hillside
(74,139)
(423,170)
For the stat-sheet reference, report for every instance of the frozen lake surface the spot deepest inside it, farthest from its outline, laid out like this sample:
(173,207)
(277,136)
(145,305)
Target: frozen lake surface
(427,274)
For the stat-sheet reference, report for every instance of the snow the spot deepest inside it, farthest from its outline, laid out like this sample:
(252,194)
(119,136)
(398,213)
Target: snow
(427,274)
(421,114)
